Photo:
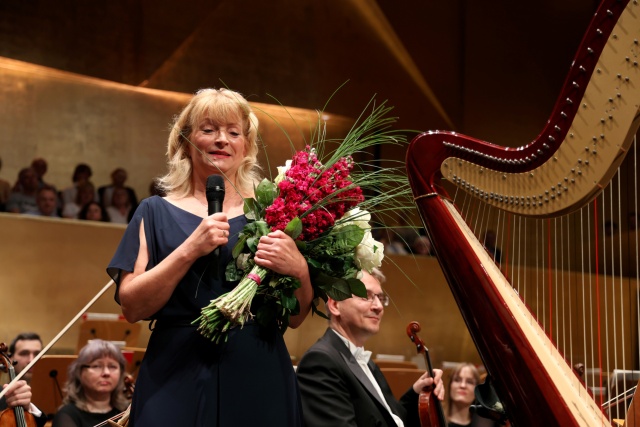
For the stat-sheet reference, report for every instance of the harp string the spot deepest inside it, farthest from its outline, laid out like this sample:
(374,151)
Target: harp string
(554,264)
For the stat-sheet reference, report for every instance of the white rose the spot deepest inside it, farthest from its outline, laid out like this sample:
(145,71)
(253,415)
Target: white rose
(369,253)
(357,217)
(281,171)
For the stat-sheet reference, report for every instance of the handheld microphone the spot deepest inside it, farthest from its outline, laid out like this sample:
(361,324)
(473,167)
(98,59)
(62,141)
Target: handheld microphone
(215,197)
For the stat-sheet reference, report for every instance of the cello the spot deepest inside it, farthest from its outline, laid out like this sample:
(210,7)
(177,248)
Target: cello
(13,417)
(429,406)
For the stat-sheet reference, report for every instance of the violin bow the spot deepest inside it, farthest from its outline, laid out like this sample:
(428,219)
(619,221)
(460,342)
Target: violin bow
(57,337)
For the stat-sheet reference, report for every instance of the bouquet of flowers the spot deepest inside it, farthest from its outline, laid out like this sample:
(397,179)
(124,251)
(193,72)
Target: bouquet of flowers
(321,204)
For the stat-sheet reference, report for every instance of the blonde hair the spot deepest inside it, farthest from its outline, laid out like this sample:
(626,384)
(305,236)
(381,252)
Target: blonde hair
(222,106)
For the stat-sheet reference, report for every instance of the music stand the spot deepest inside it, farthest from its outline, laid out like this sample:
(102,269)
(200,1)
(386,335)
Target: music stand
(108,330)
(47,382)
(134,356)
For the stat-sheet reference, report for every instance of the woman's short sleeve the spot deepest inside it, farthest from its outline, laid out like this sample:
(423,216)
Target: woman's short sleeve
(126,255)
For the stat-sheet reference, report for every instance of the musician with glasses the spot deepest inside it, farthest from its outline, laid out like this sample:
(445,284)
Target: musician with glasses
(94,387)
(339,385)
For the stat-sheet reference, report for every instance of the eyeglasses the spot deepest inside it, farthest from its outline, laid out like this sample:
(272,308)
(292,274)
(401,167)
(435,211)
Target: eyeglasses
(98,369)
(469,381)
(382,297)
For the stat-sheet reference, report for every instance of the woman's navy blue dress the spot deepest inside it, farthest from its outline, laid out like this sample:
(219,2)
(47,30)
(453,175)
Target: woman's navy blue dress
(185,379)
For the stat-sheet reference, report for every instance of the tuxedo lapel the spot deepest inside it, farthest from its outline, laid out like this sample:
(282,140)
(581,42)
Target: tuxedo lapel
(352,364)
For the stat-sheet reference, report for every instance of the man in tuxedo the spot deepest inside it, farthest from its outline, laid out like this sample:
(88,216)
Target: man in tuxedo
(339,385)
(22,350)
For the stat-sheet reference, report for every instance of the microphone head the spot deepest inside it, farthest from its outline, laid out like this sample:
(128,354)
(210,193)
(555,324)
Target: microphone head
(215,187)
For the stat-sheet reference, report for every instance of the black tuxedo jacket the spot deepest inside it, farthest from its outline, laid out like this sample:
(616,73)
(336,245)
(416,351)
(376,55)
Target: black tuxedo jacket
(336,392)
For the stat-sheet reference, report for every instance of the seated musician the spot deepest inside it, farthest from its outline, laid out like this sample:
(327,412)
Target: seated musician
(461,396)
(23,348)
(94,387)
(338,383)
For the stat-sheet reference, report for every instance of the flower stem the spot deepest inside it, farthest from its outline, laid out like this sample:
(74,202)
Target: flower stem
(230,309)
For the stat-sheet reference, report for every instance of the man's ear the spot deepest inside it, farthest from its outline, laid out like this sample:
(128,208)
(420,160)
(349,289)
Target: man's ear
(332,307)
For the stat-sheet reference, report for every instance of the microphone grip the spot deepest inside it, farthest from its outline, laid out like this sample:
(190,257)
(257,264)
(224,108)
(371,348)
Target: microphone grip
(215,206)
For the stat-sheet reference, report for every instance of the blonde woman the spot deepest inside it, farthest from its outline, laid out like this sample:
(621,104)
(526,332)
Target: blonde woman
(166,270)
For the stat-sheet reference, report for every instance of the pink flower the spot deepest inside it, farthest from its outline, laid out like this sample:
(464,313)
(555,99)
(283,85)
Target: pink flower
(318,195)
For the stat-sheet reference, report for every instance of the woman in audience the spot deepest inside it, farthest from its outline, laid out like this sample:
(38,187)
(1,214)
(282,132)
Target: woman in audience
(461,395)
(94,211)
(94,388)
(82,173)
(85,193)
(121,207)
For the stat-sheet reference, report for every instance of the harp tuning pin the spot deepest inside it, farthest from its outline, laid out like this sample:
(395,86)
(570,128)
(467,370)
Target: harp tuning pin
(563,114)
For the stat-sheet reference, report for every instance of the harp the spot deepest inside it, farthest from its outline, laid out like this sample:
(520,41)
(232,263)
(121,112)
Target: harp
(559,174)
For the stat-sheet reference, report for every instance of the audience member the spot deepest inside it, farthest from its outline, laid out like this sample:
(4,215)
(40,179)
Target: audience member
(460,397)
(94,387)
(339,385)
(47,202)
(121,208)
(82,173)
(155,189)
(94,211)
(490,246)
(85,193)
(5,189)
(25,199)
(392,245)
(421,246)
(40,166)
(118,178)
(22,350)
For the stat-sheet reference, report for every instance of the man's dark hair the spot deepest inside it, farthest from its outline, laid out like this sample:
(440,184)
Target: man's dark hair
(25,336)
